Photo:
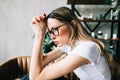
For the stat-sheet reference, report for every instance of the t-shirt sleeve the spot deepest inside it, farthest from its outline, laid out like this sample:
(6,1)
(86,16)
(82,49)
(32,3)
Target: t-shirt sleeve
(89,51)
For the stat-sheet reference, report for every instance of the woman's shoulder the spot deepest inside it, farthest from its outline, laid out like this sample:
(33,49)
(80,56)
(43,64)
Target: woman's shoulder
(85,43)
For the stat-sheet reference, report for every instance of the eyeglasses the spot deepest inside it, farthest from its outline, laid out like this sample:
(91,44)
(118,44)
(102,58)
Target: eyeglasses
(55,30)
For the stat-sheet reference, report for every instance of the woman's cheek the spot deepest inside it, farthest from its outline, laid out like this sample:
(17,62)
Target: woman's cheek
(65,36)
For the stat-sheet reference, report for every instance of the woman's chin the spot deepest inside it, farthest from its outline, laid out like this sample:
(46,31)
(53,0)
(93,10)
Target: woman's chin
(59,45)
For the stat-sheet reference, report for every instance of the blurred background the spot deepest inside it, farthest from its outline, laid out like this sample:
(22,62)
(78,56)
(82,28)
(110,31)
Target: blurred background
(16,34)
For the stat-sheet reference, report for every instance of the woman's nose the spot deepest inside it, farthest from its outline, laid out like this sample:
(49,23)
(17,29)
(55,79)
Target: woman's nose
(53,36)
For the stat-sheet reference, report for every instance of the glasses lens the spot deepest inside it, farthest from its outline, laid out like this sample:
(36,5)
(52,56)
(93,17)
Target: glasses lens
(50,33)
(55,31)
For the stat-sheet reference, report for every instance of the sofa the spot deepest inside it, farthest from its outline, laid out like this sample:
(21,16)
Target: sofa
(19,66)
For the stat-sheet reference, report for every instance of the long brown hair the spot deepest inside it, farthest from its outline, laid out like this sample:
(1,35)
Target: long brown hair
(78,32)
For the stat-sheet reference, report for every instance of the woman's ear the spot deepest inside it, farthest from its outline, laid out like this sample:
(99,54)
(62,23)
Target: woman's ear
(74,22)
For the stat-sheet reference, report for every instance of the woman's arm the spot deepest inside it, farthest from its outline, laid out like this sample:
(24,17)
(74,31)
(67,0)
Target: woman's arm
(51,56)
(62,67)
(38,61)
(39,28)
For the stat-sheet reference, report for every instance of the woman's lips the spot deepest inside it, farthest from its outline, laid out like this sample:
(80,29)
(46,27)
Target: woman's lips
(56,42)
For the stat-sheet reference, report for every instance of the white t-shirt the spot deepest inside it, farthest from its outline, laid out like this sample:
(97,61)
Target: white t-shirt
(98,69)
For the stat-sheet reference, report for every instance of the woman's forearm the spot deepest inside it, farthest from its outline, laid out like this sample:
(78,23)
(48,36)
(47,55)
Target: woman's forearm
(39,27)
(37,57)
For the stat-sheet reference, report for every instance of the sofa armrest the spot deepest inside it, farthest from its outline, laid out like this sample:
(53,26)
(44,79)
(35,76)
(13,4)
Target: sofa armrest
(14,68)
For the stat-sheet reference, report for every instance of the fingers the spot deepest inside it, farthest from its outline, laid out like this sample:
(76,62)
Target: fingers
(42,16)
(37,19)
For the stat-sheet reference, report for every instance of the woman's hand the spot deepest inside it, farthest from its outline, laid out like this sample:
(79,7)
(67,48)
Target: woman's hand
(39,24)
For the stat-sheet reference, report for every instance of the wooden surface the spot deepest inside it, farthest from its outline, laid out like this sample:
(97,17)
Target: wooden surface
(91,2)
(100,20)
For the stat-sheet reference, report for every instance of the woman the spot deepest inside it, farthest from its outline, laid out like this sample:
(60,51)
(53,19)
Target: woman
(84,53)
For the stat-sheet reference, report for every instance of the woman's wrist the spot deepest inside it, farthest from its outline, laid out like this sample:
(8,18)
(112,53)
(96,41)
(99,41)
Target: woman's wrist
(38,35)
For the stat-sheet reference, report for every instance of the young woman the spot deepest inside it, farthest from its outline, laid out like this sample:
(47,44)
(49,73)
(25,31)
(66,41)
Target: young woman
(85,55)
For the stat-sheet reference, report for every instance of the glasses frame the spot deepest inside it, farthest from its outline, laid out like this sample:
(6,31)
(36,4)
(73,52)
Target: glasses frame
(53,29)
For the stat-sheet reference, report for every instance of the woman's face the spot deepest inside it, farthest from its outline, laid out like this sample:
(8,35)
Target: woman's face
(60,32)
